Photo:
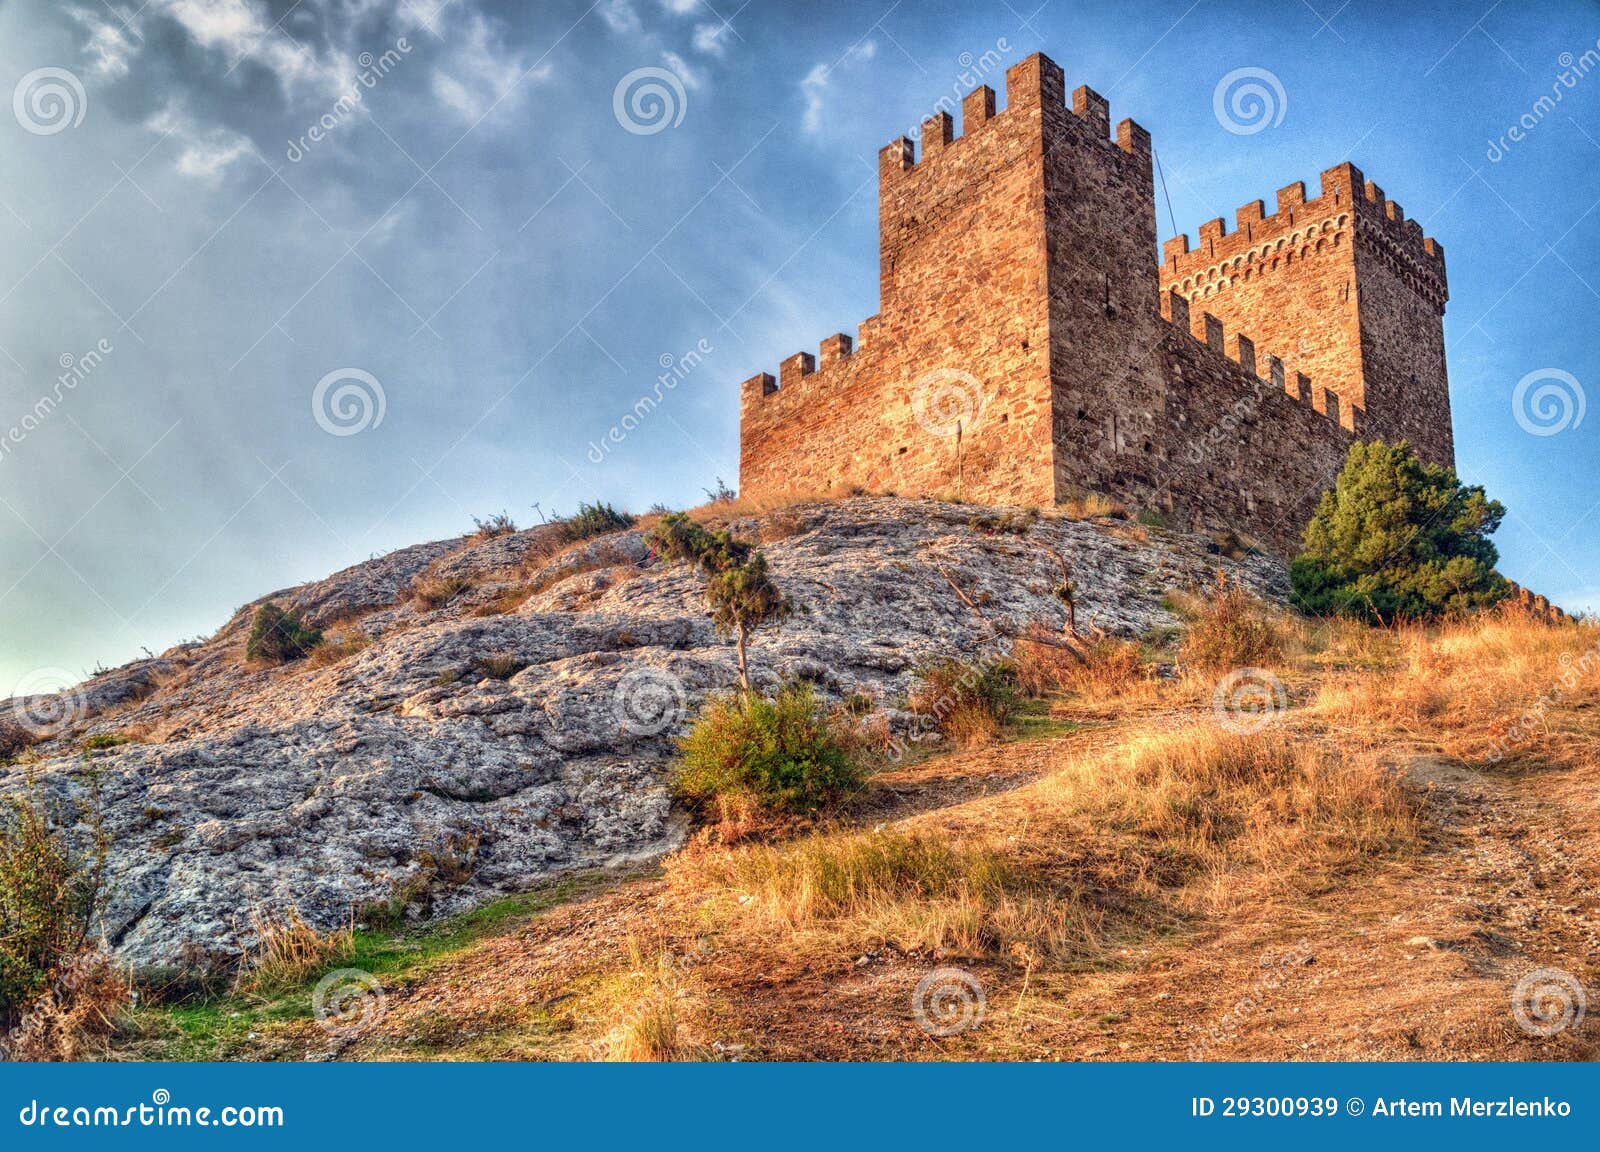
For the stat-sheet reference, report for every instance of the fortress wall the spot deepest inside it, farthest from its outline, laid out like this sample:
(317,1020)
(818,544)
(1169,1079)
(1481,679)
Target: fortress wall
(1249,443)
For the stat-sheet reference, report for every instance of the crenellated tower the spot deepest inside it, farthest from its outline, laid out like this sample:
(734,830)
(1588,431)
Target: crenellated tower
(1029,347)
(1343,284)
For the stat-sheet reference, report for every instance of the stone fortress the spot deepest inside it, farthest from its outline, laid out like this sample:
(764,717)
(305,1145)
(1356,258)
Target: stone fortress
(1030,349)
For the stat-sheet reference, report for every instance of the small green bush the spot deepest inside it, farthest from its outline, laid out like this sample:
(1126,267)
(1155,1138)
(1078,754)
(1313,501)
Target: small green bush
(277,636)
(781,752)
(49,896)
(591,520)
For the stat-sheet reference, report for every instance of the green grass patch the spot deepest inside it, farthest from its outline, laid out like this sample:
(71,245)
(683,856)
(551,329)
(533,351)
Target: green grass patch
(232,1027)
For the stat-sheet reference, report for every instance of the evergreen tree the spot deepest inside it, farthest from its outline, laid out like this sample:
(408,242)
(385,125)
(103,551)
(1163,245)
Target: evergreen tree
(1397,538)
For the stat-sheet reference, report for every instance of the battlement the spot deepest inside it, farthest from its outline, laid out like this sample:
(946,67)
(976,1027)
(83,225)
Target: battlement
(1036,85)
(831,352)
(1300,229)
(1536,604)
(1206,329)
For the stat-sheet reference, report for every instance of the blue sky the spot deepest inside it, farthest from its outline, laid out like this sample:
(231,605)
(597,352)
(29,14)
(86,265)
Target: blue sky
(485,260)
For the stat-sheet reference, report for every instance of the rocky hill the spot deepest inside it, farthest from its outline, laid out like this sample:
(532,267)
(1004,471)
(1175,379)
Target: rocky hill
(502,708)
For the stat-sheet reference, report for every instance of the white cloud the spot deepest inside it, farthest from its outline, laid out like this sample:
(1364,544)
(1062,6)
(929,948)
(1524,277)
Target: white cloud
(680,7)
(481,70)
(812,88)
(203,154)
(708,38)
(691,79)
(620,16)
(814,84)
(239,28)
(107,46)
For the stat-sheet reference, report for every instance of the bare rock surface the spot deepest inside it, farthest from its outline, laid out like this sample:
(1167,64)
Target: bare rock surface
(523,727)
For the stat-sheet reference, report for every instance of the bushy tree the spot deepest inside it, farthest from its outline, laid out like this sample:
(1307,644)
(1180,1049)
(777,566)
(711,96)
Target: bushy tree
(739,591)
(1397,538)
(277,636)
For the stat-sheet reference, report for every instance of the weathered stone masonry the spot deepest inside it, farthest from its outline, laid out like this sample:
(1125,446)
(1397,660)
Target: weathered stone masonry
(1028,348)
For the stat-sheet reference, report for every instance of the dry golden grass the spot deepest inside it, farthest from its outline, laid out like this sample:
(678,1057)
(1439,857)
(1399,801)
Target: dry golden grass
(436,591)
(918,890)
(1494,687)
(1115,888)
(651,1029)
(1105,668)
(719,513)
(287,951)
(1089,506)
(1228,628)
(1173,824)
(333,649)
(969,702)
(76,1019)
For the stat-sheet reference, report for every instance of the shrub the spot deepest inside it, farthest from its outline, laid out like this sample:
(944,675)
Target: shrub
(1102,667)
(780,752)
(50,894)
(277,636)
(14,739)
(1152,518)
(1397,538)
(337,648)
(968,702)
(591,520)
(498,665)
(490,527)
(1011,523)
(721,494)
(1088,506)
(1230,629)
(74,1019)
(437,591)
